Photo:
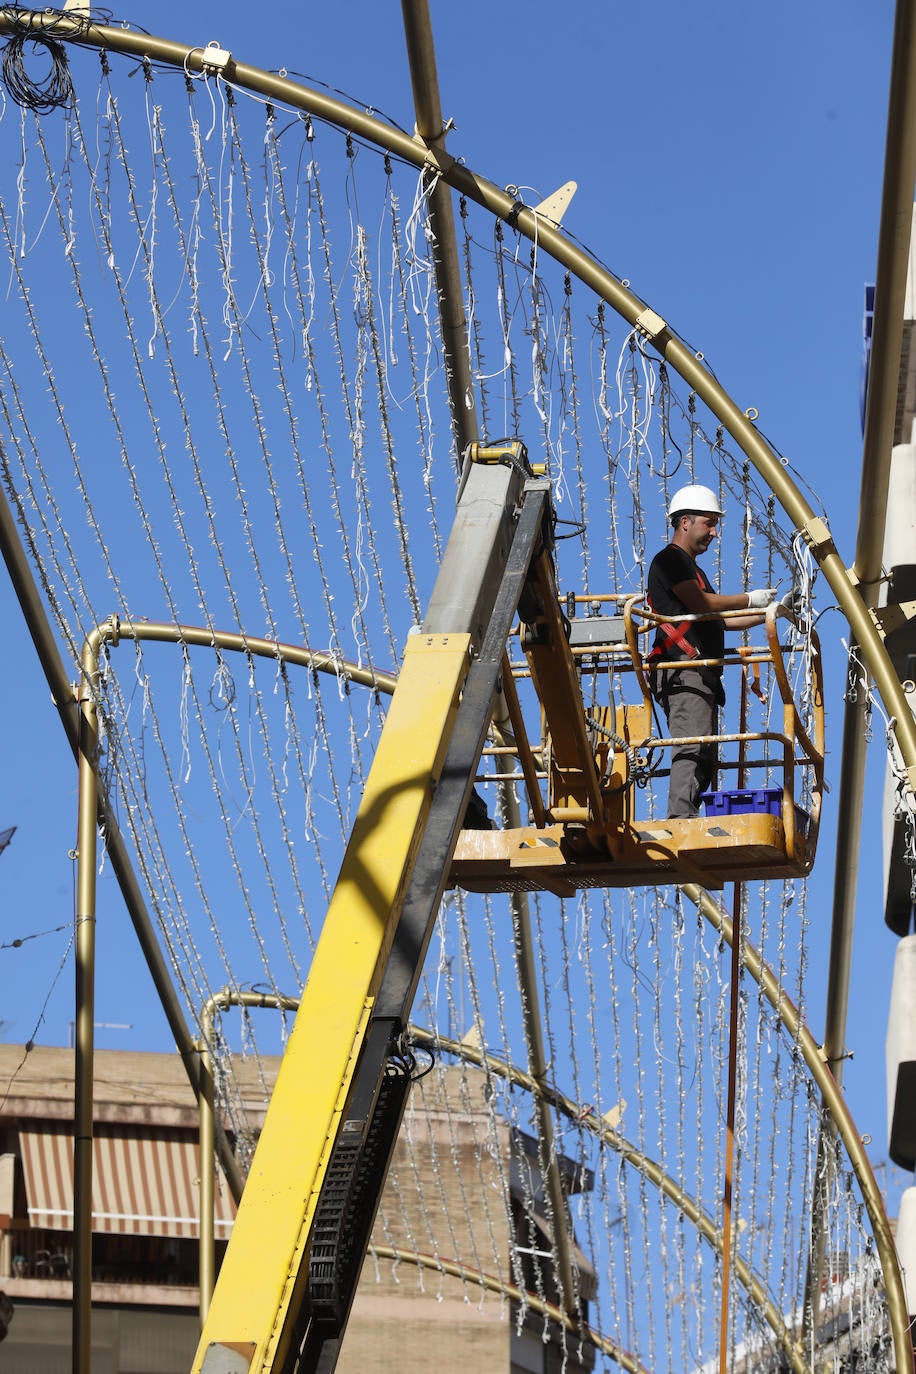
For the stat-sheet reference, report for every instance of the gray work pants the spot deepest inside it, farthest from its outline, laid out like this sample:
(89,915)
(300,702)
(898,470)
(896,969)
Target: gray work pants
(692,708)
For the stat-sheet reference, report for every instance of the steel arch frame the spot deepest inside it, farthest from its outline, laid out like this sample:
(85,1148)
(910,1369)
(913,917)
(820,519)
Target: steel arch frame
(655,330)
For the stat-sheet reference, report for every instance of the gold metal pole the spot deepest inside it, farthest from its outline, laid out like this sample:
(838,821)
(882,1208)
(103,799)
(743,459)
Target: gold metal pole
(85,1012)
(537,1061)
(733,1025)
(424,78)
(427,104)
(894,235)
(206,1270)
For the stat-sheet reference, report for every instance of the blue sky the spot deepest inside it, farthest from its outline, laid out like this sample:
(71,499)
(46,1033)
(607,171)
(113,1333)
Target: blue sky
(729,161)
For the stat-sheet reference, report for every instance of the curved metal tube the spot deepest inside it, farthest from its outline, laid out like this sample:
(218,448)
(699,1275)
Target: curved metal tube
(509,1290)
(833,1098)
(114,629)
(220,1001)
(652,327)
(651,1170)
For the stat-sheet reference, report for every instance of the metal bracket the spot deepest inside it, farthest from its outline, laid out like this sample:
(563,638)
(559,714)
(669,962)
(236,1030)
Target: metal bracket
(437,159)
(554,207)
(892,617)
(837,1058)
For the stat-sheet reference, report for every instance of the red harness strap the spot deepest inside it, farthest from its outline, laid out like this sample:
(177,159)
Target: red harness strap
(675,638)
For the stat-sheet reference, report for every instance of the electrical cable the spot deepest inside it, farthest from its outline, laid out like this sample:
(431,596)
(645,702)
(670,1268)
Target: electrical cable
(52,92)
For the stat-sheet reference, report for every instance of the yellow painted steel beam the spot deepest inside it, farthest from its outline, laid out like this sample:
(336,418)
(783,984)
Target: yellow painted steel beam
(262,1283)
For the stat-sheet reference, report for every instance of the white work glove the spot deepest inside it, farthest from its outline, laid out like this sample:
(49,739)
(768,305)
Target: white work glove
(758,600)
(793,601)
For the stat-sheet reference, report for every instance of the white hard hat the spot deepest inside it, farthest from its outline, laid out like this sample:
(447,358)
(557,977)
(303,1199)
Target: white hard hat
(694,498)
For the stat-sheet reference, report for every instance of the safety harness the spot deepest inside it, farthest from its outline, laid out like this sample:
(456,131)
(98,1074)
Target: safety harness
(672,636)
(672,642)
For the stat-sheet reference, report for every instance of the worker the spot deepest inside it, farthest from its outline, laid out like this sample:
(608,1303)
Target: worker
(691,697)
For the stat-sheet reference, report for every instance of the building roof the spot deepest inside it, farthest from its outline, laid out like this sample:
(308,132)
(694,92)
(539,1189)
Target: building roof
(129,1086)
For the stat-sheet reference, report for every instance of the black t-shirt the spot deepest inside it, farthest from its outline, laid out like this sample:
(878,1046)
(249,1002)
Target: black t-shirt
(669,567)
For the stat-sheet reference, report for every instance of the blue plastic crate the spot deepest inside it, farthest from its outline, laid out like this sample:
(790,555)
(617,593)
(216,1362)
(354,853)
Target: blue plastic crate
(760,801)
(765,801)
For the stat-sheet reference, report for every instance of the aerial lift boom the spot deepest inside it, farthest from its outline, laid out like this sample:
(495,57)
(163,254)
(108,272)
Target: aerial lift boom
(290,1270)
(293,1261)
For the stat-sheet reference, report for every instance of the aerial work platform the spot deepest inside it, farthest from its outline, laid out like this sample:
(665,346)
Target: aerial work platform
(707,850)
(587,770)
(599,824)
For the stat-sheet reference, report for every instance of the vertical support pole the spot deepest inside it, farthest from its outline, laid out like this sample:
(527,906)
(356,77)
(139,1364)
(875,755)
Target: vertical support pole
(17,565)
(85,1016)
(450,602)
(730,1127)
(421,56)
(427,104)
(537,1067)
(207,1240)
(890,291)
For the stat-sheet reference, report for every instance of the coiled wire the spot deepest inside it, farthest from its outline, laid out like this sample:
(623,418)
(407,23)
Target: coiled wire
(54,91)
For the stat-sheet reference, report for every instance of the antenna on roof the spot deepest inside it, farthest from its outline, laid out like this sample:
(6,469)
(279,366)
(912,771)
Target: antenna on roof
(98,1025)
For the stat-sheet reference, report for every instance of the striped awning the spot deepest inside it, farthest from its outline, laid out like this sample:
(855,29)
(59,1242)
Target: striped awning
(143,1185)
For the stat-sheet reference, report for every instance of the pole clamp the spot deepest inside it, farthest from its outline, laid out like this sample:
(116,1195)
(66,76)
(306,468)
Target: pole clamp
(816,535)
(651,325)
